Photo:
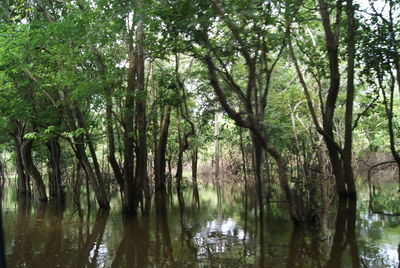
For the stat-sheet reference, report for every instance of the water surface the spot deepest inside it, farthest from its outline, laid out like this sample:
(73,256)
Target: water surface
(224,231)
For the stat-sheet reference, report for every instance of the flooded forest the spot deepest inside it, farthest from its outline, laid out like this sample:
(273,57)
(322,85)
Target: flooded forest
(199,133)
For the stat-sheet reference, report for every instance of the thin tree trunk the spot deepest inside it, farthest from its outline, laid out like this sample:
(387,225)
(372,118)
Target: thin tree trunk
(87,192)
(217,144)
(195,154)
(109,123)
(257,160)
(179,164)
(259,132)
(98,178)
(77,183)
(332,49)
(243,158)
(389,114)
(196,199)
(183,137)
(160,179)
(156,162)
(281,162)
(79,149)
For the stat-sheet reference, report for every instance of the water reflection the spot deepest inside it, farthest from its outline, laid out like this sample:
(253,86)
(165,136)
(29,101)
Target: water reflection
(165,253)
(225,231)
(310,248)
(133,248)
(91,251)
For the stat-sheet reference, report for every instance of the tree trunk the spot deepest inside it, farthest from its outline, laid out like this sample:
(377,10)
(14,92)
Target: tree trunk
(195,154)
(243,158)
(196,198)
(97,176)
(183,136)
(55,184)
(79,149)
(77,183)
(169,175)
(341,169)
(22,176)
(179,164)
(129,186)
(160,165)
(337,167)
(179,170)
(253,124)
(29,166)
(141,180)
(257,160)
(217,144)
(92,150)
(2,175)
(281,162)
(348,139)
(109,122)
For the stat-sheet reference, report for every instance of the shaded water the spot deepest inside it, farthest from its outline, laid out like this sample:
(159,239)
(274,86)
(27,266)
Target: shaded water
(223,232)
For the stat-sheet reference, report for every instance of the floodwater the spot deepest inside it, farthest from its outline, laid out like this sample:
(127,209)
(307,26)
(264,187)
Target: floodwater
(223,231)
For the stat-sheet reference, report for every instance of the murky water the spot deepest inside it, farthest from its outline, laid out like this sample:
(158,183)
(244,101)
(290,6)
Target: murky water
(223,232)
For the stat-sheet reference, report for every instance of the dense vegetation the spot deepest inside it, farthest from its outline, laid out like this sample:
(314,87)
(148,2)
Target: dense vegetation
(119,96)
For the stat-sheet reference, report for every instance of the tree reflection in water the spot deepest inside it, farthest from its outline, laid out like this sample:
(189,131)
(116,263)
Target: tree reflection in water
(307,246)
(92,251)
(224,231)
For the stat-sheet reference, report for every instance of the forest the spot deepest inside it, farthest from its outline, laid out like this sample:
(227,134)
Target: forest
(134,133)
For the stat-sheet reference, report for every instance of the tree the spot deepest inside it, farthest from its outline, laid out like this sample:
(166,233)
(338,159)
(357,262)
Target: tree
(340,157)
(224,41)
(380,53)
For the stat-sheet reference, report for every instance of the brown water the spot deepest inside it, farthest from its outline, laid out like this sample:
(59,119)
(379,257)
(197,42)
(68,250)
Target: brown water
(223,232)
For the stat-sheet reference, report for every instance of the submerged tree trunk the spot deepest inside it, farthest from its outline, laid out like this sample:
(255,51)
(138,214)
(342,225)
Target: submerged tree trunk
(99,190)
(257,160)
(281,162)
(179,170)
(55,184)
(196,198)
(76,184)
(31,169)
